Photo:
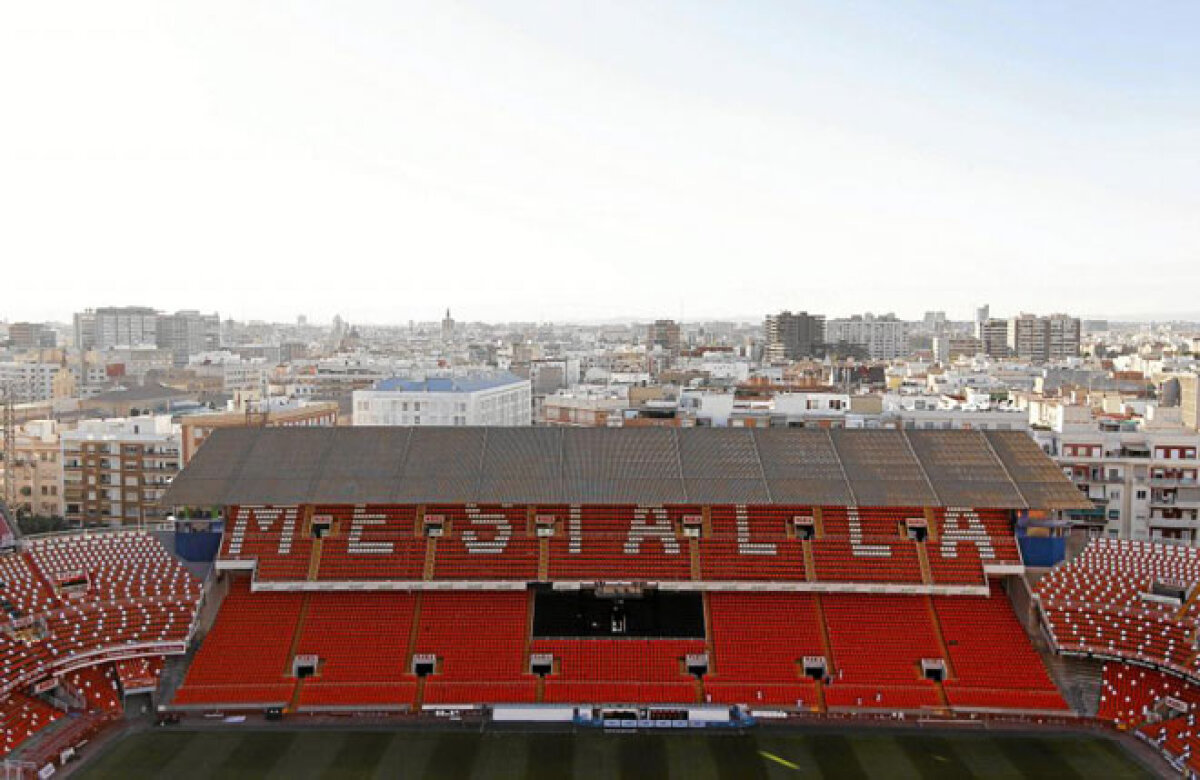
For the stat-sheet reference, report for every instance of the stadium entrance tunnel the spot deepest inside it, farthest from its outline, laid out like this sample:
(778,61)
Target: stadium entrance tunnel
(305,666)
(622,612)
(933,669)
(815,667)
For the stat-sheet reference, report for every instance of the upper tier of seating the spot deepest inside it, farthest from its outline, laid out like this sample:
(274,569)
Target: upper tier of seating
(1101,603)
(74,600)
(610,542)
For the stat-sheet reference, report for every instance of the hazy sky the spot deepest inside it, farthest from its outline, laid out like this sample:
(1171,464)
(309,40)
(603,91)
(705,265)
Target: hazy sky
(565,160)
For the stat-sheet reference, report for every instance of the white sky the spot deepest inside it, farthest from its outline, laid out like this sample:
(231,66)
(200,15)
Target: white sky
(559,161)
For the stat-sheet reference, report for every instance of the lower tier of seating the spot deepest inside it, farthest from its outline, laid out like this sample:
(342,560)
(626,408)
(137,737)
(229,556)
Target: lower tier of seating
(1160,706)
(401,650)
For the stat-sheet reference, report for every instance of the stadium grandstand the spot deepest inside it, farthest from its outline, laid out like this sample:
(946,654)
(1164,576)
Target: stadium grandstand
(821,571)
(643,576)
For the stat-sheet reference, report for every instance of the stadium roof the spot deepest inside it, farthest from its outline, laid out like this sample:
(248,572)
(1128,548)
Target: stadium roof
(650,466)
(449,384)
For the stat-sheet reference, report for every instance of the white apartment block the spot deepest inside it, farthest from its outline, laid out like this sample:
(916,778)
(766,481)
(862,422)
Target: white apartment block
(237,374)
(1143,484)
(495,400)
(884,338)
(29,382)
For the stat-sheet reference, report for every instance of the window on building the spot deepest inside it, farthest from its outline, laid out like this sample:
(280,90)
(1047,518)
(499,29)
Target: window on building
(1141,495)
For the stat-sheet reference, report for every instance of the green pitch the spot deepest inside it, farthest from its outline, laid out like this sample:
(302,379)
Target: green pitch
(297,755)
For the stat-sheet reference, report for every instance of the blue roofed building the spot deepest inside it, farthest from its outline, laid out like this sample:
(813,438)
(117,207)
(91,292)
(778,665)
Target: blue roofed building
(498,398)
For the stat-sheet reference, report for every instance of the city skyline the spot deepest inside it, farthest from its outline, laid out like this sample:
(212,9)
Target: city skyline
(438,312)
(556,164)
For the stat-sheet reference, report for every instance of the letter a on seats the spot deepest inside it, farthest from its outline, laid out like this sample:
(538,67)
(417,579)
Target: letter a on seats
(659,529)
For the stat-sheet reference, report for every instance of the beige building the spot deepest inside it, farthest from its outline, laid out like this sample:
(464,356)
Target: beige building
(194,429)
(37,470)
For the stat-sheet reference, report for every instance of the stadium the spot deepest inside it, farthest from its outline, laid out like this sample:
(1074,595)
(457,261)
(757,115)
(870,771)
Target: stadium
(651,593)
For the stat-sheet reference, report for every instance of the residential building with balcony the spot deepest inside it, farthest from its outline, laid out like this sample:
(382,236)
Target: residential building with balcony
(115,471)
(1142,483)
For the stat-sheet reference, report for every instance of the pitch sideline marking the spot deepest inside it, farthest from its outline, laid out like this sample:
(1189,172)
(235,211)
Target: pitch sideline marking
(779,760)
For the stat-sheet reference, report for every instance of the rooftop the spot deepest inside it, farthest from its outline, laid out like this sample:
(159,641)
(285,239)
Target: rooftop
(471,384)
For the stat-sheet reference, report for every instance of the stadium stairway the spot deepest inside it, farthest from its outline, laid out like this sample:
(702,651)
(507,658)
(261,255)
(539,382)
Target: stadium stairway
(294,702)
(826,645)
(936,622)
(1079,680)
(314,562)
(923,559)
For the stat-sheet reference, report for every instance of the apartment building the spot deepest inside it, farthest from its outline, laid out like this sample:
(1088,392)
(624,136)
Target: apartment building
(37,469)
(115,471)
(31,335)
(947,349)
(1143,483)
(791,336)
(493,399)
(30,382)
(880,338)
(187,333)
(1043,339)
(993,335)
(236,374)
(664,334)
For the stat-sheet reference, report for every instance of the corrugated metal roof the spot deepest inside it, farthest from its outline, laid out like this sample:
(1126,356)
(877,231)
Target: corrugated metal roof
(639,465)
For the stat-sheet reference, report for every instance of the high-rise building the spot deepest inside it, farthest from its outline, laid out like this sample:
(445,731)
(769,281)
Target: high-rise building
(447,326)
(664,334)
(31,335)
(85,330)
(794,336)
(879,338)
(1043,339)
(993,335)
(188,333)
(116,326)
(1062,337)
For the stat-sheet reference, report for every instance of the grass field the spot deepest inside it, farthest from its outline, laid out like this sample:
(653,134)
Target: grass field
(298,755)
